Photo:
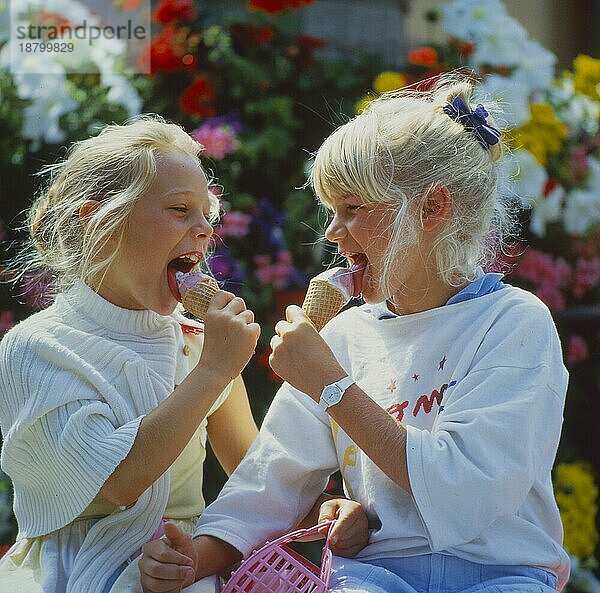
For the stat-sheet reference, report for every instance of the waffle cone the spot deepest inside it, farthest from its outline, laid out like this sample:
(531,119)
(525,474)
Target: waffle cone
(196,299)
(322,302)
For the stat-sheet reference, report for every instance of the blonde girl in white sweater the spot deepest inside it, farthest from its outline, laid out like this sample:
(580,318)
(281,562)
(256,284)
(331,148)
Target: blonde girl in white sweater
(108,395)
(440,399)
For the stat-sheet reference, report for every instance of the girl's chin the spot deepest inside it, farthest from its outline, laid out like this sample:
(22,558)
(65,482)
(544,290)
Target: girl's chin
(372,295)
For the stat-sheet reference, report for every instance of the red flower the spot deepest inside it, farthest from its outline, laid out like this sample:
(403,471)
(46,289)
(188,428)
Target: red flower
(263,360)
(249,34)
(198,97)
(275,6)
(550,185)
(169,11)
(270,6)
(466,48)
(298,3)
(131,4)
(423,56)
(263,35)
(166,50)
(309,42)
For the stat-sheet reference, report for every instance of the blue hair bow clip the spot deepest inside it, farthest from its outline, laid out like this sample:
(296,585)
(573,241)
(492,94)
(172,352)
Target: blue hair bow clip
(474,121)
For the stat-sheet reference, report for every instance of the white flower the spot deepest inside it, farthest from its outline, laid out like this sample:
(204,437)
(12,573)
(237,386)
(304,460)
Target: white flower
(472,20)
(535,67)
(582,206)
(502,46)
(71,9)
(511,97)
(4,21)
(49,101)
(40,76)
(521,177)
(122,92)
(579,112)
(546,210)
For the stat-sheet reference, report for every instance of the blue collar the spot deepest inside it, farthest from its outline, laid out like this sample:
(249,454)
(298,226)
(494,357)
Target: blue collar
(484,283)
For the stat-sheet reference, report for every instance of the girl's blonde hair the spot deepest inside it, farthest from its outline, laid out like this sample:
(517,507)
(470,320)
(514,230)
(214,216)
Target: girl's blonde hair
(115,168)
(397,150)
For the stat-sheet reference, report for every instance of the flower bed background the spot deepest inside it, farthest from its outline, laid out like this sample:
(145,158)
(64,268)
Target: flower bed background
(257,93)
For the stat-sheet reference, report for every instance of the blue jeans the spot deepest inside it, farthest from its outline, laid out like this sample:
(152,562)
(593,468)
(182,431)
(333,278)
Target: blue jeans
(436,573)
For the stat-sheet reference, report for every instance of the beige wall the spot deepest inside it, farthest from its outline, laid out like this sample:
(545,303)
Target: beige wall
(565,27)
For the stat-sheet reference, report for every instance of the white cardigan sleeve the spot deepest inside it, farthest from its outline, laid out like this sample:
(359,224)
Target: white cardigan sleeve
(61,439)
(280,478)
(495,437)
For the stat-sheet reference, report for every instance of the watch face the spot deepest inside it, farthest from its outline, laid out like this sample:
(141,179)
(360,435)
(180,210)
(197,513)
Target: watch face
(332,394)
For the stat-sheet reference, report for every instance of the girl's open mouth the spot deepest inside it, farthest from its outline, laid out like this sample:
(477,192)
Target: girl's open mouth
(184,263)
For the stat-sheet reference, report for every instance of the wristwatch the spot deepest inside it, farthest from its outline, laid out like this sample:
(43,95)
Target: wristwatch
(332,394)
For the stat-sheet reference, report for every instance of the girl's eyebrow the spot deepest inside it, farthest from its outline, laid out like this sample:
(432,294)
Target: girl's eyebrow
(181,192)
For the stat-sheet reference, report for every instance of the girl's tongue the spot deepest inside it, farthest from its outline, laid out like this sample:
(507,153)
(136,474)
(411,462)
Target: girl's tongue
(357,270)
(171,271)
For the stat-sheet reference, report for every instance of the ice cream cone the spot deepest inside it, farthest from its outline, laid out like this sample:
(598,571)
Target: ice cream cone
(322,302)
(197,298)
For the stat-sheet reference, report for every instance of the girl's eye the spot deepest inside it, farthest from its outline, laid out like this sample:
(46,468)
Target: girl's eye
(353,207)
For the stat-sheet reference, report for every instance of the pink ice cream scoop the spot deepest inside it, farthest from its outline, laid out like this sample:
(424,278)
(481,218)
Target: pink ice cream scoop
(196,290)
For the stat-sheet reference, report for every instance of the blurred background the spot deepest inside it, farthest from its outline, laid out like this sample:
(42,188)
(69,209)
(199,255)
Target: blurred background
(260,83)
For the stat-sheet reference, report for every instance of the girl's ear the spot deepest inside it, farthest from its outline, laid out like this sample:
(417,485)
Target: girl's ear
(86,210)
(436,207)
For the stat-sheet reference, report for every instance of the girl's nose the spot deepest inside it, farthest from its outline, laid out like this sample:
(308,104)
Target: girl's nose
(203,228)
(335,230)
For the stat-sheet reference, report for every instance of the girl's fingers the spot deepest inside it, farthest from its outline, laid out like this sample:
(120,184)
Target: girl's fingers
(160,551)
(281,326)
(247,316)
(168,572)
(236,305)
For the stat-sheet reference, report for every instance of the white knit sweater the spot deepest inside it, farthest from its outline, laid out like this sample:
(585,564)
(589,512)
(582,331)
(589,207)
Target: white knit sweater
(480,386)
(76,380)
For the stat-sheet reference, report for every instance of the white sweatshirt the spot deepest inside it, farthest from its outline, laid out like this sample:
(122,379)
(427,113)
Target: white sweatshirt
(480,386)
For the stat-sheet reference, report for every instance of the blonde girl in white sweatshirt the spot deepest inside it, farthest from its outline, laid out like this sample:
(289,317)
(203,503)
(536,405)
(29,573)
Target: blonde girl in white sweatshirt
(440,399)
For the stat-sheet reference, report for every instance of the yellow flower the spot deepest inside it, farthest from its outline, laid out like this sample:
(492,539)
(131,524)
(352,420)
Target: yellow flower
(388,81)
(576,495)
(587,75)
(363,103)
(542,135)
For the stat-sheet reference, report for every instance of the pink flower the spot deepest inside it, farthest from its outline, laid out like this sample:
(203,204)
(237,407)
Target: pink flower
(234,224)
(278,274)
(548,276)
(262,261)
(7,320)
(577,350)
(552,297)
(218,141)
(587,275)
(216,190)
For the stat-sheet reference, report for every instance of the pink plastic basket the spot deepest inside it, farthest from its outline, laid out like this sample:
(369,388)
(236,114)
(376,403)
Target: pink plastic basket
(276,568)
